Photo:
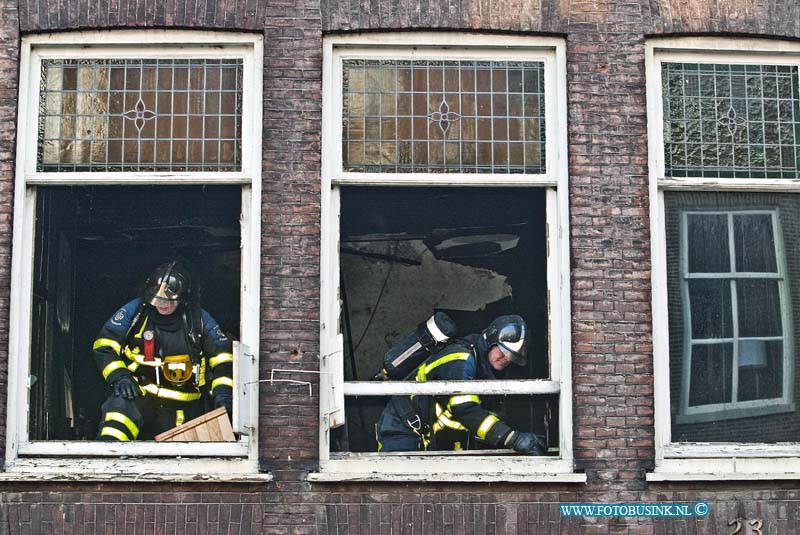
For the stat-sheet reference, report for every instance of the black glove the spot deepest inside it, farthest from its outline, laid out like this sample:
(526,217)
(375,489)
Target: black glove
(224,400)
(527,443)
(126,388)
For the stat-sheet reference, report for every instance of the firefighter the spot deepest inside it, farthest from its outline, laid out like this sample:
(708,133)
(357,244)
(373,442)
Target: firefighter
(416,423)
(162,357)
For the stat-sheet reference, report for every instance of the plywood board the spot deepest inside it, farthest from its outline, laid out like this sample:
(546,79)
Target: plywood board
(213,426)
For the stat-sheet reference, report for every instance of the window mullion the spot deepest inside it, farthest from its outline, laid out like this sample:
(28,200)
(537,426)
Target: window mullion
(686,376)
(734,312)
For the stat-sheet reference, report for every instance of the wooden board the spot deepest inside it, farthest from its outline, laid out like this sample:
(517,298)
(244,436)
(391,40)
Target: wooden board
(213,426)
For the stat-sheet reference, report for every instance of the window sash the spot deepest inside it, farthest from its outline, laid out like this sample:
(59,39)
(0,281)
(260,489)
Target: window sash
(725,132)
(510,386)
(227,48)
(400,51)
(748,52)
(393,388)
(735,407)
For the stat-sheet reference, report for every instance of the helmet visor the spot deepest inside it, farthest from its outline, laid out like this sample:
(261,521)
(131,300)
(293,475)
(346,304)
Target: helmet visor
(165,293)
(515,356)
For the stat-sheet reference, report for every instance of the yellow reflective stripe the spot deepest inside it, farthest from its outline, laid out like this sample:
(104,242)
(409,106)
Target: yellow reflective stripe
(424,370)
(166,393)
(227,381)
(139,359)
(107,342)
(444,419)
(124,420)
(113,365)
(180,416)
(458,400)
(486,425)
(222,358)
(116,433)
(133,366)
(144,324)
(201,377)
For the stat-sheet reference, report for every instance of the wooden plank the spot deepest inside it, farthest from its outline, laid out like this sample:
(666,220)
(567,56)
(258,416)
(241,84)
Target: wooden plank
(203,433)
(213,426)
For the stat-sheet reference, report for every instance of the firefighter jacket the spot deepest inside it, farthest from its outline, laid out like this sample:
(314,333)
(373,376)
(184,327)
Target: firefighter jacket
(462,360)
(120,349)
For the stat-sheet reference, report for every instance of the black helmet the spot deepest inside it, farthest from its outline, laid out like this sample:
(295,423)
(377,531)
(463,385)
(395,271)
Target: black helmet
(169,282)
(509,333)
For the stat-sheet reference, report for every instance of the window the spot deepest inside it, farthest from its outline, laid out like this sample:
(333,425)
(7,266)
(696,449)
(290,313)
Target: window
(134,148)
(734,304)
(444,190)
(723,150)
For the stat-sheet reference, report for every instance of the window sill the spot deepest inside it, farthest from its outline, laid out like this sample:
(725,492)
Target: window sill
(465,477)
(139,449)
(181,470)
(726,469)
(443,468)
(723,476)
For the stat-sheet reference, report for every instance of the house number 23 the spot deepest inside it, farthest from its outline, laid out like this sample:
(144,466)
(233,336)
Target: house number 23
(755,527)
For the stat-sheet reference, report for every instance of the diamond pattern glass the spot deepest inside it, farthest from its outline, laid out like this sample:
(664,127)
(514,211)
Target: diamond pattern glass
(105,115)
(731,121)
(405,116)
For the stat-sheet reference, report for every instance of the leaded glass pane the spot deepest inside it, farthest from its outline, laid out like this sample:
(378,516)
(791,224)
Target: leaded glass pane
(734,121)
(443,116)
(140,115)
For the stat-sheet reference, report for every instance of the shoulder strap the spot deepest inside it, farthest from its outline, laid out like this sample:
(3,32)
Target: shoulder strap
(410,417)
(466,344)
(135,322)
(194,331)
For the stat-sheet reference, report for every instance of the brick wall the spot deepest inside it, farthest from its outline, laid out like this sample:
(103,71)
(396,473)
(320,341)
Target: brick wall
(612,362)
(611,321)
(291,229)
(41,15)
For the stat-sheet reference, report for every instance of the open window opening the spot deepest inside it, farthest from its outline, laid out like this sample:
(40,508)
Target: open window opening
(473,253)
(94,247)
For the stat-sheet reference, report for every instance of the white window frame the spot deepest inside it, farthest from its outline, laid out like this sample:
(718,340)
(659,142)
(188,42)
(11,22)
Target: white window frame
(684,460)
(426,466)
(734,408)
(147,459)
